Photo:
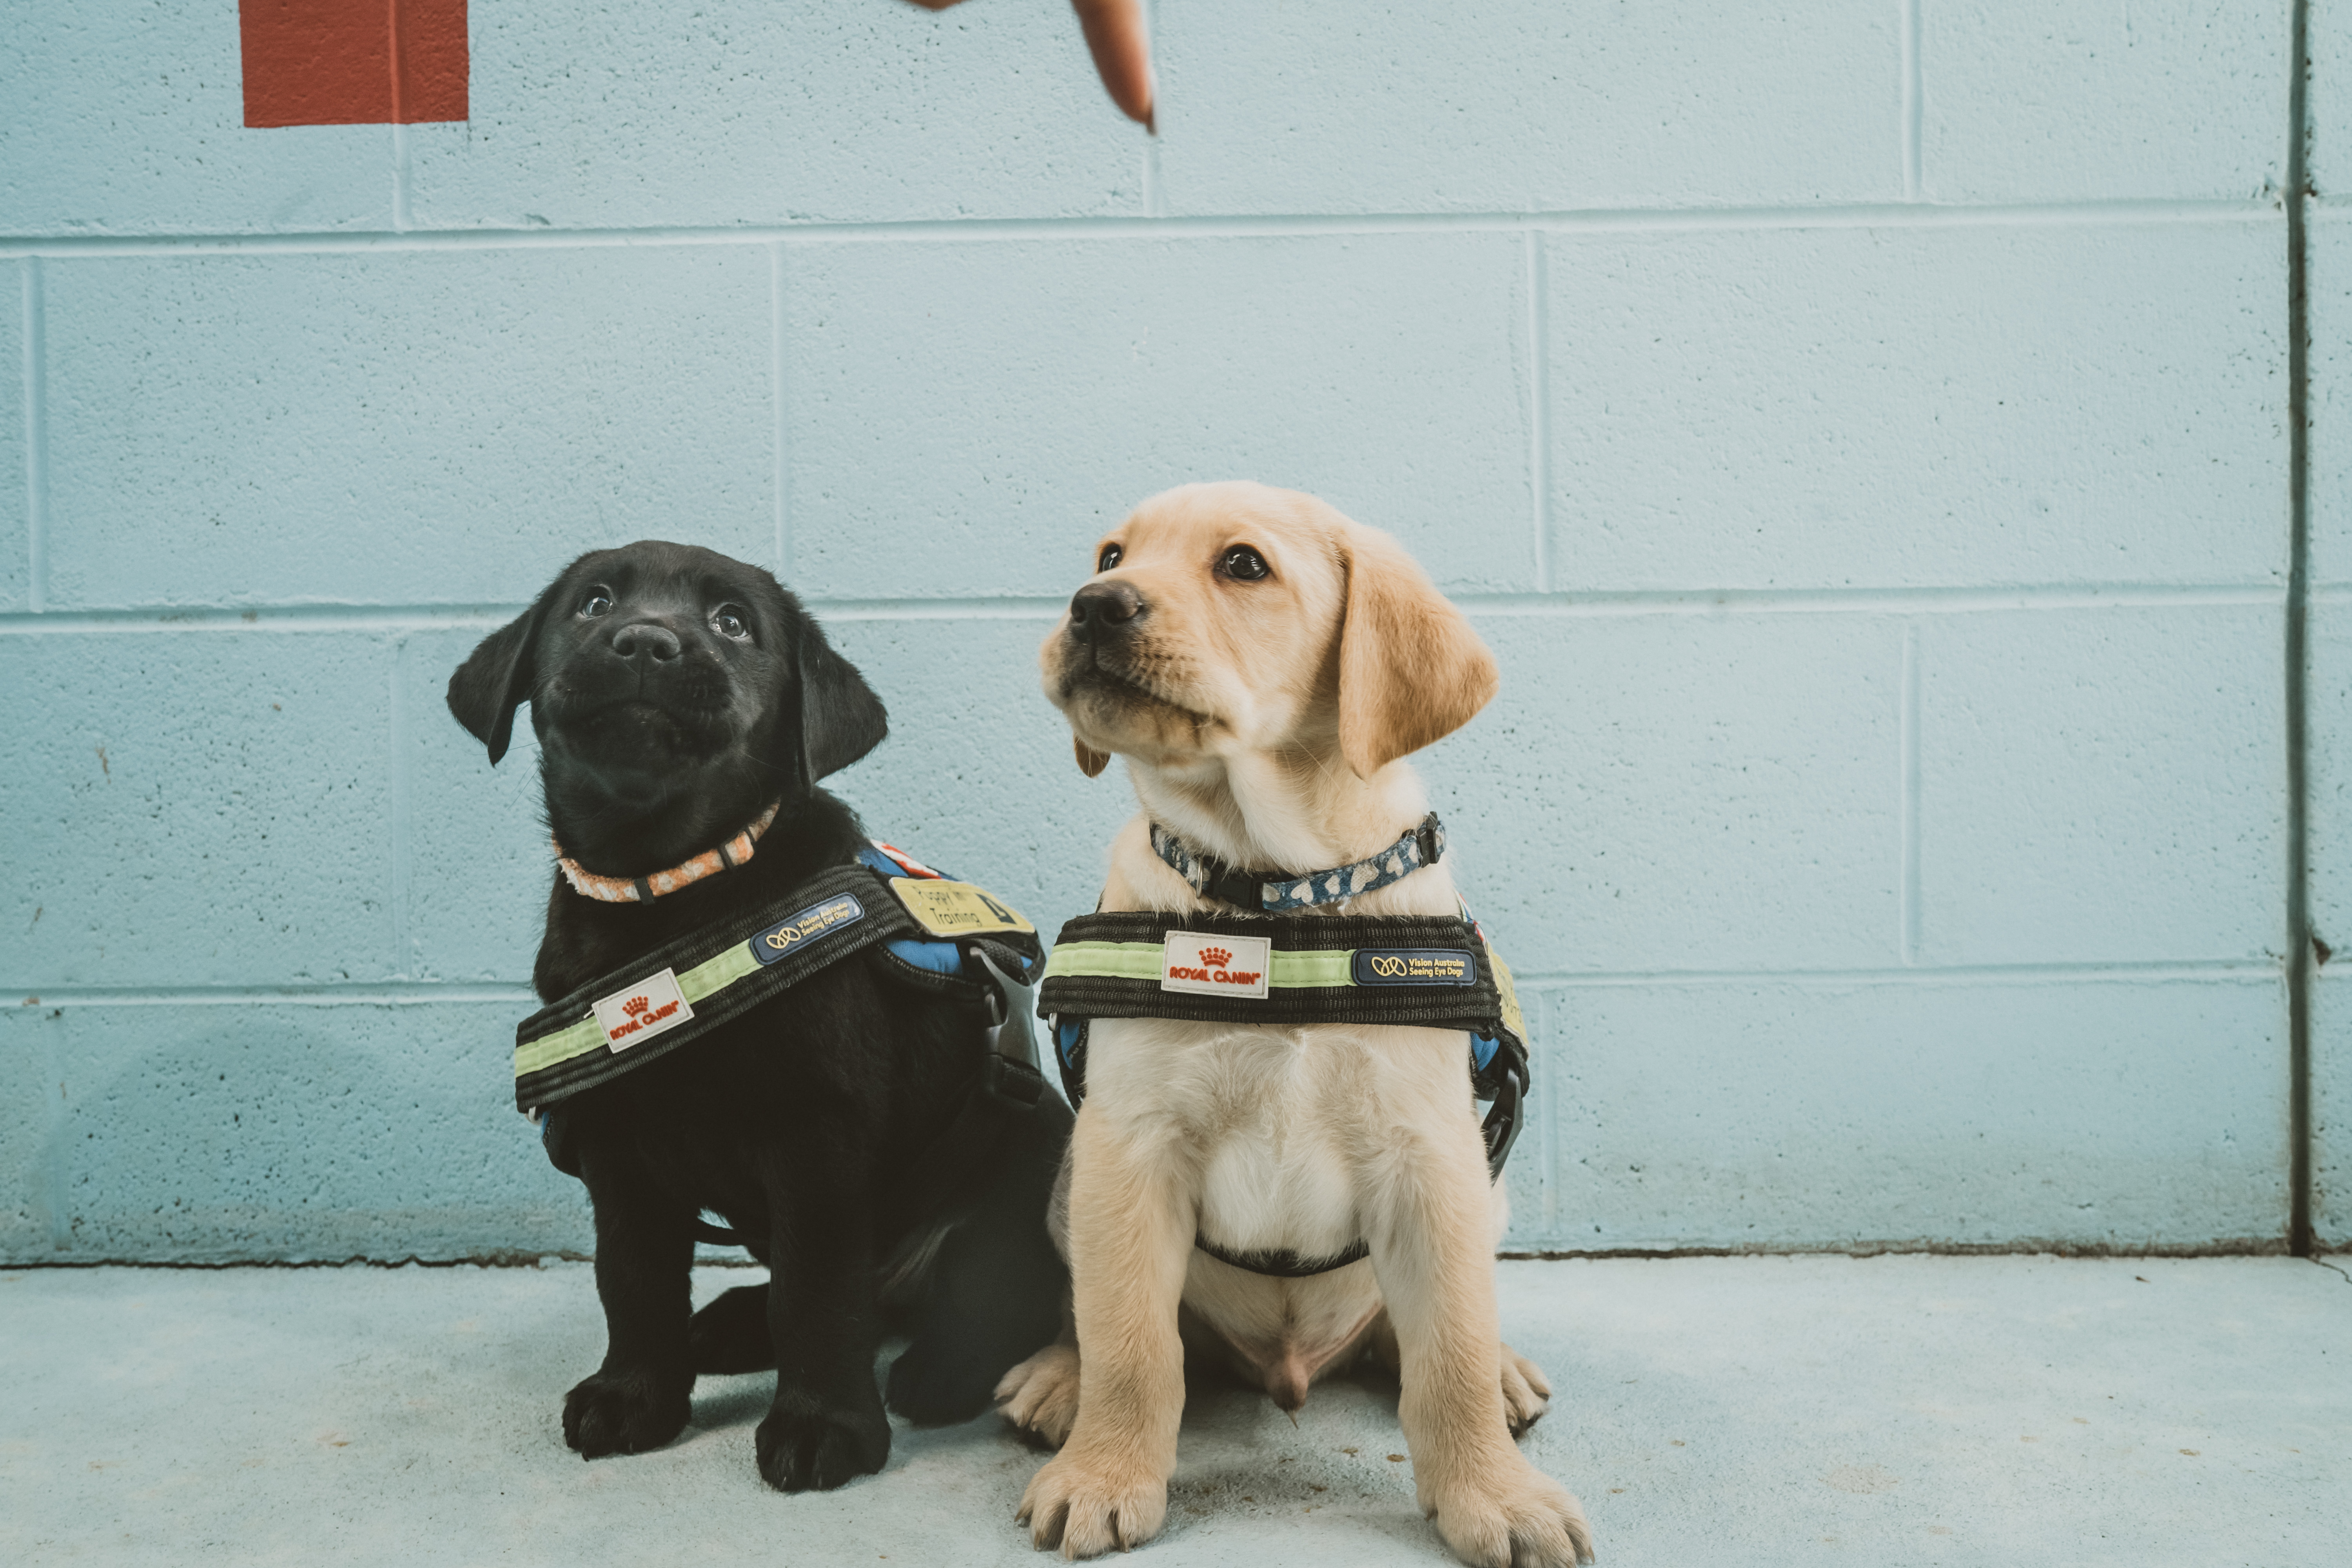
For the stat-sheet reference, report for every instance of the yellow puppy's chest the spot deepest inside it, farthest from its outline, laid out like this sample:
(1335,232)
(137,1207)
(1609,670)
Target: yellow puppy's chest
(1265,1125)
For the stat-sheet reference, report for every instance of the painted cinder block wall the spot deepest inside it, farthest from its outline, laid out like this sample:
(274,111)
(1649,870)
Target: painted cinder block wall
(1859,428)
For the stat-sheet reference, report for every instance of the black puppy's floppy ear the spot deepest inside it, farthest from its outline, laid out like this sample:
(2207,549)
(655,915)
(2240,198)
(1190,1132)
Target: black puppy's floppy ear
(498,677)
(840,719)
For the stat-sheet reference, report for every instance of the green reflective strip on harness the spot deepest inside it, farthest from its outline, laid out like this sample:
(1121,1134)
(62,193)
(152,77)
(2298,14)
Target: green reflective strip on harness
(1141,960)
(703,980)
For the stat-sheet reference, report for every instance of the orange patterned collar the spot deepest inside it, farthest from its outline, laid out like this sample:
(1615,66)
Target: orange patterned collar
(645,890)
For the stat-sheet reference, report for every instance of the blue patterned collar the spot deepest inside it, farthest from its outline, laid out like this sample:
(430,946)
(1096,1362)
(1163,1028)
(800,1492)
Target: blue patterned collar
(1274,892)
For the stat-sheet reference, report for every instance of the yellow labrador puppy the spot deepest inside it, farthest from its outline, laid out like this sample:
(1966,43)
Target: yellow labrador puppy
(1263,663)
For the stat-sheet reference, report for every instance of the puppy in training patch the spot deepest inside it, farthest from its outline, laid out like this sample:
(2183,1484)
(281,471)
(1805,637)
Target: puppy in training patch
(755,1011)
(1277,1026)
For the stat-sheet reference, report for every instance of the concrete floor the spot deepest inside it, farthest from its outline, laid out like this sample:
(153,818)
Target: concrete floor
(1709,1411)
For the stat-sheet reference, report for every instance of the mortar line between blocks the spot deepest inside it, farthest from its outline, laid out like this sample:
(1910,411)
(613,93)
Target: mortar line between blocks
(36,439)
(1539,406)
(2300,962)
(1910,787)
(1913,99)
(382,994)
(1914,602)
(1888,215)
(780,480)
(402,881)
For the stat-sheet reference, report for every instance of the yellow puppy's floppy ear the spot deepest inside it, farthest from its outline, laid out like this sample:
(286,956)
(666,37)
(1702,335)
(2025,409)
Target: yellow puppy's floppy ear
(1091,763)
(1411,670)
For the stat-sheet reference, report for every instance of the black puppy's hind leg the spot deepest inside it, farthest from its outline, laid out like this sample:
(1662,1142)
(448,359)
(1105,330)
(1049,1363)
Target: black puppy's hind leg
(997,1287)
(826,1426)
(731,1334)
(639,1398)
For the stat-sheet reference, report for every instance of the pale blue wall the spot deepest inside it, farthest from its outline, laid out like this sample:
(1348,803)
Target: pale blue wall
(1860,427)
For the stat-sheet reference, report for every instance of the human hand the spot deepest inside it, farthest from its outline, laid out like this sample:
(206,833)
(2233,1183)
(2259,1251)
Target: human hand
(1122,48)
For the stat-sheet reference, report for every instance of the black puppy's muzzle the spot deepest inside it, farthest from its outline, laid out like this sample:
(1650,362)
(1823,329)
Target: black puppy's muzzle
(1102,613)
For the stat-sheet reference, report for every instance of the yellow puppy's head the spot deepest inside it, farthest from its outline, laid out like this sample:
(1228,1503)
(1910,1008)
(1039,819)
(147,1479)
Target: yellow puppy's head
(1231,618)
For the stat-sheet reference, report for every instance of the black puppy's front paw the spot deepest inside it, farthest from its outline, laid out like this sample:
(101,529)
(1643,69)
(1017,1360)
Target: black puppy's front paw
(624,1413)
(939,1386)
(731,1333)
(805,1444)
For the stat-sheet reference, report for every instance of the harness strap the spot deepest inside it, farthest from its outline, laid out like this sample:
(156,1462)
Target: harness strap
(1003,1094)
(1429,971)
(687,987)
(1284,1264)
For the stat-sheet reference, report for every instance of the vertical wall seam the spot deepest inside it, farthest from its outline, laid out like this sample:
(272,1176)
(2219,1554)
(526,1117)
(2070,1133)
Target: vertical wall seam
(402,880)
(392,52)
(1547,1097)
(2299,954)
(399,126)
(780,480)
(1914,96)
(1155,199)
(36,437)
(1908,731)
(53,1158)
(1539,403)
(400,216)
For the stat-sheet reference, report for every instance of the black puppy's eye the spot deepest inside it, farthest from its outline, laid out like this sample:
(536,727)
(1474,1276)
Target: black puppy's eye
(1111,556)
(728,619)
(598,602)
(1242,562)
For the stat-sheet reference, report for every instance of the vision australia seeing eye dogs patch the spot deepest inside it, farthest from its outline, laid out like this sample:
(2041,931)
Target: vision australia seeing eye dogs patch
(770,945)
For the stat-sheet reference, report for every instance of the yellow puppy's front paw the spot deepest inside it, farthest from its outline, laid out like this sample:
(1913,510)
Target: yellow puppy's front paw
(1513,1519)
(1527,1392)
(1087,1510)
(1040,1397)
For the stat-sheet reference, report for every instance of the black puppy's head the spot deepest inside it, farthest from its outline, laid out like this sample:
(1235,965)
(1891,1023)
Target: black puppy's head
(667,680)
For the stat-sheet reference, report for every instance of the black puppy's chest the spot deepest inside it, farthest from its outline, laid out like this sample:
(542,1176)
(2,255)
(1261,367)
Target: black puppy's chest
(839,1048)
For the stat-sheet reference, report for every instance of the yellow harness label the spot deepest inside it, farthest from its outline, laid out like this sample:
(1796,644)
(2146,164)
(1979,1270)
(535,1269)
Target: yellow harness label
(956,908)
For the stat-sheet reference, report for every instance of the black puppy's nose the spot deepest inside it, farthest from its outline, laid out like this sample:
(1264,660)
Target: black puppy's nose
(646,643)
(1100,611)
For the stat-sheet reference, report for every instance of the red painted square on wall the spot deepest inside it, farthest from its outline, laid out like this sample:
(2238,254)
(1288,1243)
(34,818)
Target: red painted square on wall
(353,62)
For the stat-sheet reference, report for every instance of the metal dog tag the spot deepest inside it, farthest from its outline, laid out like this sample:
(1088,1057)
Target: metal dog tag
(1210,966)
(637,1013)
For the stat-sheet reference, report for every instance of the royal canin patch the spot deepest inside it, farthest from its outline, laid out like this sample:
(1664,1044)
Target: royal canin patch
(1209,965)
(638,1013)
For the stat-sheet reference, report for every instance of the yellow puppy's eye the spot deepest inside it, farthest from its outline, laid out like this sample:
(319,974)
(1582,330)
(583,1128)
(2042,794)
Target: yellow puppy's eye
(1242,562)
(1111,556)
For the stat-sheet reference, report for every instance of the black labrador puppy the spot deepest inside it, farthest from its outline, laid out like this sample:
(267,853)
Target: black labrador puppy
(678,695)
